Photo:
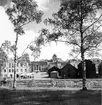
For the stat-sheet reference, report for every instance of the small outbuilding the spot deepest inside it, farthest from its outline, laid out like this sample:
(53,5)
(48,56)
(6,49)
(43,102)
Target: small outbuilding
(69,71)
(90,69)
(54,72)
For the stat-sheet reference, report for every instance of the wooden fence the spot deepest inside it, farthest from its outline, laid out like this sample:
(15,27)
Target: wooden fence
(61,83)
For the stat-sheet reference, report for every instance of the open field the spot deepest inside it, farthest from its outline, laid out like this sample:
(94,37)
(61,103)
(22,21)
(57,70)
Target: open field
(51,92)
(49,97)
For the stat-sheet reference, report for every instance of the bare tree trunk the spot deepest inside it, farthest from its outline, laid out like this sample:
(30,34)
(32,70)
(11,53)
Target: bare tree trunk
(83,62)
(83,59)
(0,70)
(82,48)
(14,81)
(84,72)
(15,61)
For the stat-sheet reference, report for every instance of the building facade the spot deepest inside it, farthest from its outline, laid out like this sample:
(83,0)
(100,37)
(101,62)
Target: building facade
(21,68)
(45,65)
(38,66)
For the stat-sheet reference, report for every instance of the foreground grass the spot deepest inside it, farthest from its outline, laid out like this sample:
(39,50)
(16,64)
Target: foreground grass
(49,97)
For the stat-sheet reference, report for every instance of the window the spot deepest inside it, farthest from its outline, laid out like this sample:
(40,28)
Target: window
(21,70)
(37,67)
(25,70)
(9,64)
(12,70)
(4,70)
(25,64)
(17,75)
(9,70)
(21,64)
(12,65)
(4,64)
(11,75)
(17,70)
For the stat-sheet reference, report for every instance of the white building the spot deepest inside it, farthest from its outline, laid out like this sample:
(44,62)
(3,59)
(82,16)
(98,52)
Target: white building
(22,68)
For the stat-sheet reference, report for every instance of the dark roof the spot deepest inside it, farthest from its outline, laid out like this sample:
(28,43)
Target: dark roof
(67,66)
(54,69)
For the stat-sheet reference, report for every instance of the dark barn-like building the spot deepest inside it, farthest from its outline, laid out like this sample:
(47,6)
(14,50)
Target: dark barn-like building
(69,71)
(90,69)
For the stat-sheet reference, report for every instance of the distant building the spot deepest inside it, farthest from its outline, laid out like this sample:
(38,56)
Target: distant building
(37,66)
(44,65)
(21,68)
(3,59)
(55,61)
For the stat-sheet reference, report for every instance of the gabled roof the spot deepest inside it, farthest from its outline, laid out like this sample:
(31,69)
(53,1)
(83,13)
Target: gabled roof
(54,69)
(67,66)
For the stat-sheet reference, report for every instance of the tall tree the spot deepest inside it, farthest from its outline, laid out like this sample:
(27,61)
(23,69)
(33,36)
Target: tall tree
(78,23)
(21,13)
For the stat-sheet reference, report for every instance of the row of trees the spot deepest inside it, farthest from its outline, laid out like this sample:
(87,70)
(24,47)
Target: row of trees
(77,23)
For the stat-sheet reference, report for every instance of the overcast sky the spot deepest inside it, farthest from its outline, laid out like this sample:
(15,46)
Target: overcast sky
(31,31)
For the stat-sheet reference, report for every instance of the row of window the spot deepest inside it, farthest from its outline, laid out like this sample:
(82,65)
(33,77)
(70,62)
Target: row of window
(36,67)
(11,65)
(11,75)
(12,70)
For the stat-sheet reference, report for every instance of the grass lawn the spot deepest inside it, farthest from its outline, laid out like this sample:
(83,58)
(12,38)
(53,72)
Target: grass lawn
(49,97)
